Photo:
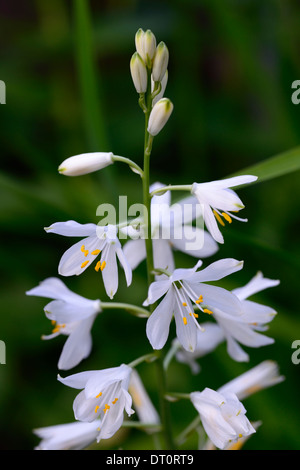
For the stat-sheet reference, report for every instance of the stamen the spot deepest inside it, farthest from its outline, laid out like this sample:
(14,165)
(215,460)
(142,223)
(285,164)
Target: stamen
(99,395)
(115,401)
(95,252)
(97,408)
(98,265)
(205,310)
(184,320)
(107,407)
(200,300)
(184,304)
(84,263)
(86,252)
(218,218)
(103,265)
(240,435)
(227,217)
(196,315)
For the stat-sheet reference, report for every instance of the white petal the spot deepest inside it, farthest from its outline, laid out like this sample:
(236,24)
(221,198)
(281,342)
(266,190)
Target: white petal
(156,290)
(211,224)
(125,264)
(65,312)
(186,332)
(257,284)
(162,255)
(255,313)
(158,324)
(74,262)
(52,288)
(235,351)
(135,252)
(78,346)
(185,273)
(234,181)
(218,270)
(110,272)
(72,229)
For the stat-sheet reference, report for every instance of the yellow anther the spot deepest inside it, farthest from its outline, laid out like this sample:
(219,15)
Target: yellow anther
(196,315)
(103,265)
(240,435)
(115,401)
(184,320)
(53,322)
(98,265)
(85,263)
(95,252)
(218,218)
(86,252)
(107,407)
(99,395)
(200,300)
(205,310)
(97,408)
(184,304)
(227,217)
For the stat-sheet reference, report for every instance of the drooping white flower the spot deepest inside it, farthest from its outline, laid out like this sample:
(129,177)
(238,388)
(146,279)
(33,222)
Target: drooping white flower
(264,375)
(98,240)
(171,229)
(218,202)
(183,289)
(104,397)
(223,416)
(254,319)
(85,163)
(207,341)
(72,316)
(142,403)
(69,436)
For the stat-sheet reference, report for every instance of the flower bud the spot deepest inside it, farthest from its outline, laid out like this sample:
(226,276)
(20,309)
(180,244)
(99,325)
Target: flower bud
(145,43)
(160,63)
(159,115)
(85,163)
(163,84)
(138,73)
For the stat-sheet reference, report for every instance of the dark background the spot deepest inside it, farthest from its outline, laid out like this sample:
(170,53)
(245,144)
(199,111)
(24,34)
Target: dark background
(232,64)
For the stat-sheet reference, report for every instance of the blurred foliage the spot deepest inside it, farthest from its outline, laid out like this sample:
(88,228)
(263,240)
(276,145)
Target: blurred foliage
(231,68)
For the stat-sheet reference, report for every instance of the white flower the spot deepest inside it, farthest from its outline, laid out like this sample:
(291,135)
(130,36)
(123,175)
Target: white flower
(159,115)
(98,239)
(72,315)
(85,163)
(70,436)
(218,201)
(264,375)
(138,73)
(104,397)
(223,416)
(184,288)
(207,341)
(254,318)
(170,229)
(141,402)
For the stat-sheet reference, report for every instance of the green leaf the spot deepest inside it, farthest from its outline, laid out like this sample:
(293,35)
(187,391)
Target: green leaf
(279,165)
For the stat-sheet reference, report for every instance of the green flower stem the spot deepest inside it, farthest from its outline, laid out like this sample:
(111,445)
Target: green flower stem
(134,167)
(134,309)
(161,378)
(181,187)
(146,358)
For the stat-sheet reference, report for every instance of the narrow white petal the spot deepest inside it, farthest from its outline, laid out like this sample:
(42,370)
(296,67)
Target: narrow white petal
(72,229)
(125,265)
(218,270)
(75,261)
(211,224)
(162,255)
(78,345)
(135,252)
(256,284)
(195,242)
(156,290)
(158,324)
(110,272)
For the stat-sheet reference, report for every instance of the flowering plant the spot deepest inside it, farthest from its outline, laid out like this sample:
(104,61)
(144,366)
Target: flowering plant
(205,314)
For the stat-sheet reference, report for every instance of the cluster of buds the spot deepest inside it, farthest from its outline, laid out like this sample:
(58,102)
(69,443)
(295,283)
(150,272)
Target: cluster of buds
(149,72)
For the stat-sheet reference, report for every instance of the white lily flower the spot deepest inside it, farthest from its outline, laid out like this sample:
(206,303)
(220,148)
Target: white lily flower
(223,416)
(264,375)
(207,341)
(69,436)
(171,229)
(184,288)
(85,163)
(218,200)
(98,239)
(72,315)
(104,397)
(141,402)
(255,317)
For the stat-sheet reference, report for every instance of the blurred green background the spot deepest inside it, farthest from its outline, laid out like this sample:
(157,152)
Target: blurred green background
(69,91)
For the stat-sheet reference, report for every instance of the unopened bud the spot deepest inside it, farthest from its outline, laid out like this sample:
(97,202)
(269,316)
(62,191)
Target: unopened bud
(160,63)
(145,43)
(163,85)
(159,115)
(85,163)
(138,73)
